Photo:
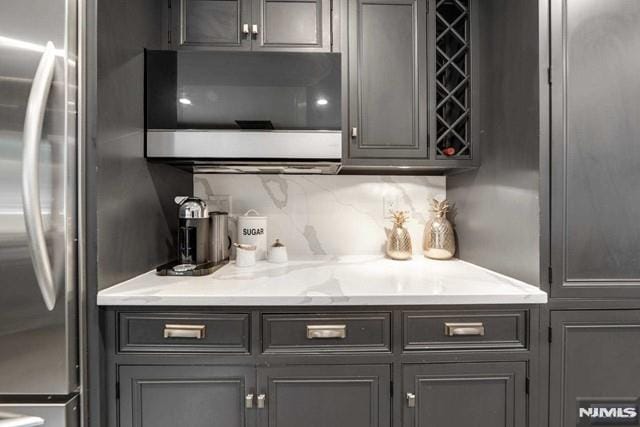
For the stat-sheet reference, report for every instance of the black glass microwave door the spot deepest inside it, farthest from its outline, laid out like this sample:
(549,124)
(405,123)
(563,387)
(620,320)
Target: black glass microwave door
(234,90)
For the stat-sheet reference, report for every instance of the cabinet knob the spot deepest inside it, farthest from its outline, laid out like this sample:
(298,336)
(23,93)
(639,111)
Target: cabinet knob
(411,400)
(261,400)
(354,132)
(245,29)
(248,401)
(254,29)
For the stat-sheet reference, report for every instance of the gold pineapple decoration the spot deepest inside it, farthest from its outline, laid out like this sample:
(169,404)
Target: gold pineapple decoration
(439,240)
(398,239)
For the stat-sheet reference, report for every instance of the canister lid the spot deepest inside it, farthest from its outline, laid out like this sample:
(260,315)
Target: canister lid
(277,244)
(252,214)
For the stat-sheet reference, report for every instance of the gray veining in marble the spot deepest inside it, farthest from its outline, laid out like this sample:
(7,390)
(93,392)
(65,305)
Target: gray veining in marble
(330,280)
(317,215)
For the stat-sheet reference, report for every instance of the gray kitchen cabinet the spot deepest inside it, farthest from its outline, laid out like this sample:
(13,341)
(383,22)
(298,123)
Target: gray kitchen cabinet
(292,25)
(321,396)
(595,131)
(465,394)
(194,396)
(594,355)
(388,79)
(267,25)
(212,24)
(292,372)
(410,72)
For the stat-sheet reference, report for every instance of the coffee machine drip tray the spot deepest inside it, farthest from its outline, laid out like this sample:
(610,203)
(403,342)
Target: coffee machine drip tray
(175,268)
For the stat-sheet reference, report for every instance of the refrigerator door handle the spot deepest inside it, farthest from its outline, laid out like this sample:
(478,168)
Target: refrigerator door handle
(15,420)
(30,180)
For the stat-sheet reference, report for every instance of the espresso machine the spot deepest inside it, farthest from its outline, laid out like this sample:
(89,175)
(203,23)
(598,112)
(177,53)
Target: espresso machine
(193,231)
(200,248)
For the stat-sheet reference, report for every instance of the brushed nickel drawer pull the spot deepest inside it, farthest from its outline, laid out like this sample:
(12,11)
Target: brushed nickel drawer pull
(184,331)
(464,329)
(326,331)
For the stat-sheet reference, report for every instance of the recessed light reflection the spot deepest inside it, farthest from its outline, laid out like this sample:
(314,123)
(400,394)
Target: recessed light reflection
(322,101)
(184,101)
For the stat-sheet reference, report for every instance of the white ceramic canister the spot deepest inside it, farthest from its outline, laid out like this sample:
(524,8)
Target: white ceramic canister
(245,255)
(278,253)
(252,230)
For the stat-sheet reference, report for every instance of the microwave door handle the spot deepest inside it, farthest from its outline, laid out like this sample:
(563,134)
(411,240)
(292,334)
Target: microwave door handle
(15,420)
(34,119)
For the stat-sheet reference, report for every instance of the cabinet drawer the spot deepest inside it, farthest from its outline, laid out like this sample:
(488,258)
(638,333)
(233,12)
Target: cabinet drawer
(308,333)
(437,330)
(176,332)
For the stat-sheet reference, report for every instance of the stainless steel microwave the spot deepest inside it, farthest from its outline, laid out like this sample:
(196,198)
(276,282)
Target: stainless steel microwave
(238,111)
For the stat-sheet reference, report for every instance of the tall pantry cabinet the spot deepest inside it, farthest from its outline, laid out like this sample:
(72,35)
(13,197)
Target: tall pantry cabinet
(594,273)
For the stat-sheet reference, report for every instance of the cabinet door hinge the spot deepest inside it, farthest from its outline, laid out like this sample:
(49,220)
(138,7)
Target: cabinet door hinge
(550,271)
(428,1)
(169,36)
(527,385)
(550,335)
(549,75)
(391,388)
(169,1)
(118,390)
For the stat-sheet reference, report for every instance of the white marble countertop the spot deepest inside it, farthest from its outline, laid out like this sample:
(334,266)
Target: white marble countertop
(327,280)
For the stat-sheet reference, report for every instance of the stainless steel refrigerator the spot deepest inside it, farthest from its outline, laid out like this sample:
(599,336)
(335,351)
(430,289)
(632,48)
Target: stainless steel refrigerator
(39,374)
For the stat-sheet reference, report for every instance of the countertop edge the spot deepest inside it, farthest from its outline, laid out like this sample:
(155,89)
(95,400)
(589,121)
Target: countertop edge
(488,299)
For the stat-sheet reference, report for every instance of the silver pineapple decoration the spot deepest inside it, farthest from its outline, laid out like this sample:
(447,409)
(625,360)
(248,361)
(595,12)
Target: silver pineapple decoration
(398,238)
(439,240)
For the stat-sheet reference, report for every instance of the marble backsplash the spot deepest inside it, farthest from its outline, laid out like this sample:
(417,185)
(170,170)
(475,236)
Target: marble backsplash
(317,215)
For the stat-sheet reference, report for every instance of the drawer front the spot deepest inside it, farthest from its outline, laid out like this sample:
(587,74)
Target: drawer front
(163,332)
(436,330)
(325,333)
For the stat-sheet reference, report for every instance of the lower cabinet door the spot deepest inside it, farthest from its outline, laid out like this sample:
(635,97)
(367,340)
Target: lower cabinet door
(465,395)
(189,396)
(594,368)
(325,396)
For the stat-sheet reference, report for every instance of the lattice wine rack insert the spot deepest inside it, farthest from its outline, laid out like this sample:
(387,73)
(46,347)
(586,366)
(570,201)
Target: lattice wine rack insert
(453,73)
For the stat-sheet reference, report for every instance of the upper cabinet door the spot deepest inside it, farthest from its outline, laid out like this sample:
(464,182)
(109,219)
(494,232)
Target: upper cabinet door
(387,79)
(212,24)
(595,148)
(292,25)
